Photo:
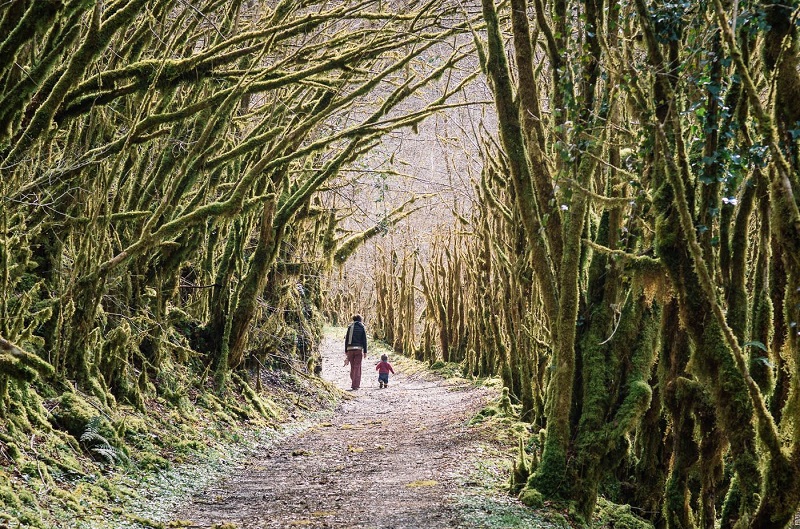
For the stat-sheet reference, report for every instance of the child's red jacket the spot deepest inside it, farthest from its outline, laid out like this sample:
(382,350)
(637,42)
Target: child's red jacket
(384,367)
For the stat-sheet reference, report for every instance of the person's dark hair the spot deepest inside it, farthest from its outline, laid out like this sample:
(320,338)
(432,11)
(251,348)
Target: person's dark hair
(357,317)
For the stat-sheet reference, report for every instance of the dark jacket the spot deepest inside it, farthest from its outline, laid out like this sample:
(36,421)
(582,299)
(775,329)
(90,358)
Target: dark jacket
(356,336)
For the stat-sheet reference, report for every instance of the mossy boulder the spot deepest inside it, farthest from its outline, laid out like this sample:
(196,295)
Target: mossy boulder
(610,515)
(73,413)
(152,462)
(532,498)
(501,408)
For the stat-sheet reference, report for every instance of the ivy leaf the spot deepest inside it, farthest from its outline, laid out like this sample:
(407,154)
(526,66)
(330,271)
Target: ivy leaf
(705,179)
(758,344)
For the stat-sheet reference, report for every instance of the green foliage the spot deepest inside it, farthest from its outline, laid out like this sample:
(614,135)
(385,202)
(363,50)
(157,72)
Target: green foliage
(100,446)
(612,516)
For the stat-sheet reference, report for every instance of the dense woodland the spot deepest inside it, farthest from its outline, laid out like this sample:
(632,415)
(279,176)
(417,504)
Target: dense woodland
(629,264)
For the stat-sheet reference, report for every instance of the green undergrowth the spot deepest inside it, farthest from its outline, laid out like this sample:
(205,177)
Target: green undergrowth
(449,370)
(68,460)
(612,516)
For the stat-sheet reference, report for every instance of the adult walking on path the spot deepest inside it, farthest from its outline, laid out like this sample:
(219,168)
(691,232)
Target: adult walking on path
(355,345)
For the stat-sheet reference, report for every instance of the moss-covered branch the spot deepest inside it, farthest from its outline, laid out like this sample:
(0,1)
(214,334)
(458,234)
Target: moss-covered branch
(345,248)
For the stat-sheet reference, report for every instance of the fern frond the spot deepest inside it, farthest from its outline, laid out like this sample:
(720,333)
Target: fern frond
(108,453)
(92,437)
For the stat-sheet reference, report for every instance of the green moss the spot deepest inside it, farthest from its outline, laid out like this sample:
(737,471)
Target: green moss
(69,500)
(505,403)
(29,468)
(30,519)
(72,414)
(146,522)
(532,498)
(151,462)
(157,440)
(610,515)
(501,407)
(264,406)
(189,445)
(9,498)
(210,402)
(13,451)
(520,469)
(547,474)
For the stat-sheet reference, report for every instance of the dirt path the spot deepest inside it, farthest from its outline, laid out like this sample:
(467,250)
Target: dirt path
(388,458)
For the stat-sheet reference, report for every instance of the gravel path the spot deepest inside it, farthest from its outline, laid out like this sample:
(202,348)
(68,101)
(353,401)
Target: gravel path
(388,458)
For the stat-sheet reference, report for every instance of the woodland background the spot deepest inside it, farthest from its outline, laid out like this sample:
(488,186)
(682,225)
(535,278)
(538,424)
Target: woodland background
(594,200)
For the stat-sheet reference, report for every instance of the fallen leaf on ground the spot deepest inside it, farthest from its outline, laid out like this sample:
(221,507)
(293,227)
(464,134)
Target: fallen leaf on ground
(422,483)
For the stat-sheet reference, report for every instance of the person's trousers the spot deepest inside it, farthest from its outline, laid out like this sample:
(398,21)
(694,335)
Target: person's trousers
(355,356)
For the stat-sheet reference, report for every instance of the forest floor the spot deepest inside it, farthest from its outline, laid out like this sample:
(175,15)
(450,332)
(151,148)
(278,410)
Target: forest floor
(406,456)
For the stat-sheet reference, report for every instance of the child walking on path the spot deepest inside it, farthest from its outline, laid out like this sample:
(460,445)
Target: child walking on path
(384,368)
